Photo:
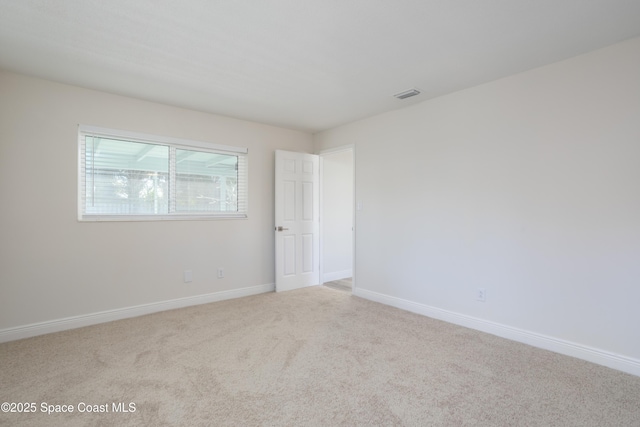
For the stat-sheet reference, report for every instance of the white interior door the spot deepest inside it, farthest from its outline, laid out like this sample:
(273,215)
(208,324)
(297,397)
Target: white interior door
(297,228)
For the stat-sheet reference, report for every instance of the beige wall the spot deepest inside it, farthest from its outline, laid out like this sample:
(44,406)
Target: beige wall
(53,267)
(528,186)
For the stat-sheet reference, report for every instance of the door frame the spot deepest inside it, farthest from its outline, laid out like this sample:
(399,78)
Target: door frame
(321,154)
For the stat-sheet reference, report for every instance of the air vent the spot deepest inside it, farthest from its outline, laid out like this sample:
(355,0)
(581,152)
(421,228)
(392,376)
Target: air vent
(407,94)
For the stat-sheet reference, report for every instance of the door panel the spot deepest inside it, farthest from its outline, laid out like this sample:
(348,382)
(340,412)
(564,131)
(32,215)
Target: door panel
(307,201)
(289,255)
(307,253)
(289,200)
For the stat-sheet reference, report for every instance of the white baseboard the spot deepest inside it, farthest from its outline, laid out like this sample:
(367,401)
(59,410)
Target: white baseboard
(568,348)
(336,275)
(58,325)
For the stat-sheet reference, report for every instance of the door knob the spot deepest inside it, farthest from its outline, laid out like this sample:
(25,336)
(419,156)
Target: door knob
(281,228)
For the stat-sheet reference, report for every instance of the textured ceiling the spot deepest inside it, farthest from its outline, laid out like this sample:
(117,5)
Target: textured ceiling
(303,64)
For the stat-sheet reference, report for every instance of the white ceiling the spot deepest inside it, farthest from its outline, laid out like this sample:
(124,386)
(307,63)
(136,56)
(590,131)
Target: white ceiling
(303,64)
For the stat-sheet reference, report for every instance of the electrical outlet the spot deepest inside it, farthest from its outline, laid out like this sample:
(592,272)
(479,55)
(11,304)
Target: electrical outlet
(481,294)
(188,276)
(220,273)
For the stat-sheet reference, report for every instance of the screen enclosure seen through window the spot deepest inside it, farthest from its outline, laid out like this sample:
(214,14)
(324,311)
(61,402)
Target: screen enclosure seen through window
(127,176)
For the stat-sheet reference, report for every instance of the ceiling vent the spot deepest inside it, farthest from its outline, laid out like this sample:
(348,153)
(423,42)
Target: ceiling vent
(407,94)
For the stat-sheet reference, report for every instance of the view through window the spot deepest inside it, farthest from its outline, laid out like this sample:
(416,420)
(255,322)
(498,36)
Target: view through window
(122,177)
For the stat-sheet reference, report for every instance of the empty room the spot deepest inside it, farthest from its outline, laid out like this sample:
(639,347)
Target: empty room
(317,213)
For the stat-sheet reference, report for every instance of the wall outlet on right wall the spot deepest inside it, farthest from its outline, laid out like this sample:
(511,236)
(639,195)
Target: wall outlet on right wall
(481,295)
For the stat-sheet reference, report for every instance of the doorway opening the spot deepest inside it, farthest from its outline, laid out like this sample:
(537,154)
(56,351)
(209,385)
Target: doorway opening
(337,225)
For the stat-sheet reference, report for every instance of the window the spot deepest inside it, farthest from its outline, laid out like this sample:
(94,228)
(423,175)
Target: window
(127,176)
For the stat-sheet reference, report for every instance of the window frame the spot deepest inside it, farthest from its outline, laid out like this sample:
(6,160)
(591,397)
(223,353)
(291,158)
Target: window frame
(173,144)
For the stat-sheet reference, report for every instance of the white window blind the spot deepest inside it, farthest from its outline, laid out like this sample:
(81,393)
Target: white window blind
(131,176)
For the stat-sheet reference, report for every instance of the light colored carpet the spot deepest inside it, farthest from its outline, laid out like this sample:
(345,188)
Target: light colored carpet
(312,357)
